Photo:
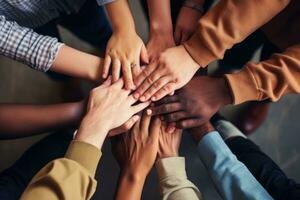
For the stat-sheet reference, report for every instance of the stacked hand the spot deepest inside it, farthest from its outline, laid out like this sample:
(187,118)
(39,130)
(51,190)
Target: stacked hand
(124,52)
(105,103)
(195,103)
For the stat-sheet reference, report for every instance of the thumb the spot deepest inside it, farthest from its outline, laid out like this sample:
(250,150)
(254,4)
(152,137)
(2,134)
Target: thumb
(144,55)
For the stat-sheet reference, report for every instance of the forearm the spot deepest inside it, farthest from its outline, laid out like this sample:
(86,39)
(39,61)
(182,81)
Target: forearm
(130,186)
(120,16)
(228,23)
(270,79)
(26,120)
(160,16)
(78,64)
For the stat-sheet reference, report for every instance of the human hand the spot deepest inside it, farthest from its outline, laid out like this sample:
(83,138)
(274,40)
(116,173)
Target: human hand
(109,106)
(195,103)
(186,24)
(136,150)
(173,69)
(124,51)
(169,142)
(159,41)
(200,131)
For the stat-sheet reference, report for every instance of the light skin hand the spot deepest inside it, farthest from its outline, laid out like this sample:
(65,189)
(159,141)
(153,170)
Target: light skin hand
(195,103)
(186,24)
(169,142)
(105,103)
(173,69)
(136,152)
(125,49)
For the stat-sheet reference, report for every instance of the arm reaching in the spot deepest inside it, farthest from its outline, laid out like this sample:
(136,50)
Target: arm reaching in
(72,177)
(161,28)
(173,181)
(136,152)
(46,53)
(125,49)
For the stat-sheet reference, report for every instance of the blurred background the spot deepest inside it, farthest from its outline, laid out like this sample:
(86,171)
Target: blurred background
(278,136)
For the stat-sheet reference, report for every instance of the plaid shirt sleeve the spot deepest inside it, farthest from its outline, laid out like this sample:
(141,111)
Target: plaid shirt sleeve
(24,45)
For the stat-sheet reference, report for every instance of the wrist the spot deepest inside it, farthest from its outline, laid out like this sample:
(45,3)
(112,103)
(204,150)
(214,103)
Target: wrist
(222,87)
(199,132)
(92,132)
(167,154)
(161,29)
(133,176)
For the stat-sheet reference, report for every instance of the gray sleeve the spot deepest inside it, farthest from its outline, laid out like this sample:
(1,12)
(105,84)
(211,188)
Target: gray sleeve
(24,45)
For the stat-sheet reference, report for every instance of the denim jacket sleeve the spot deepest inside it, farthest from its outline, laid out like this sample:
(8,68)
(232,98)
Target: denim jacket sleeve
(232,178)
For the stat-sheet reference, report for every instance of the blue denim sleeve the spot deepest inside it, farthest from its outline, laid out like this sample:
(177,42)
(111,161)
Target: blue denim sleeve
(103,2)
(232,178)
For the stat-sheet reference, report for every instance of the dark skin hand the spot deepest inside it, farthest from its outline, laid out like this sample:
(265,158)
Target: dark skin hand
(195,103)
(200,131)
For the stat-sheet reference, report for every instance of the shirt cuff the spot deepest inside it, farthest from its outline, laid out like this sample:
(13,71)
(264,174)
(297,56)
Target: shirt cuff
(103,2)
(198,51)
(85,154)
(243,86)
(166,168)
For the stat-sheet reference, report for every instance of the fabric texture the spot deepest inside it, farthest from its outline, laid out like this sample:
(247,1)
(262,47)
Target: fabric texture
(265,170)
(68,178)
(173,181)
(231,177)
(219,30)
(15,179)
(24,45)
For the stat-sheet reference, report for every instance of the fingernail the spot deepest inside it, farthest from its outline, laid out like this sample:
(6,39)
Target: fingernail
(149,111)
(136,95)
(153,98)
(143,98)
(162,118)
(104,75)
(133,87)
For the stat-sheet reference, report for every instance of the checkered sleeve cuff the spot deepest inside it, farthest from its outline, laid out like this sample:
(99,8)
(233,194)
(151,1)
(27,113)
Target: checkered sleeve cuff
(26,46)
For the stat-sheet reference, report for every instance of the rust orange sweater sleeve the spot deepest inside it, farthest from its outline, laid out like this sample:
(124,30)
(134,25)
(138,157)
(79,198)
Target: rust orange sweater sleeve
(228,23)
(269,79)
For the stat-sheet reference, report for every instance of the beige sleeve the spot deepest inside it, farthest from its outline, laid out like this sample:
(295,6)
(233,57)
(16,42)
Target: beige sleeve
(68,178)
(270,79)
(228,23)
(173,181)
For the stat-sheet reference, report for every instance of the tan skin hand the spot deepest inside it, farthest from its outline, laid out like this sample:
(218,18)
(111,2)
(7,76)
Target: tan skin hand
(158,43)
(124,51)
(186,24)
(173,69)
(169,142)
(105,103)
(136,150)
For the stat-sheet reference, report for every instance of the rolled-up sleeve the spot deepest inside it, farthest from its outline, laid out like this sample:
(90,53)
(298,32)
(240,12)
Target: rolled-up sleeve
(26,46)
